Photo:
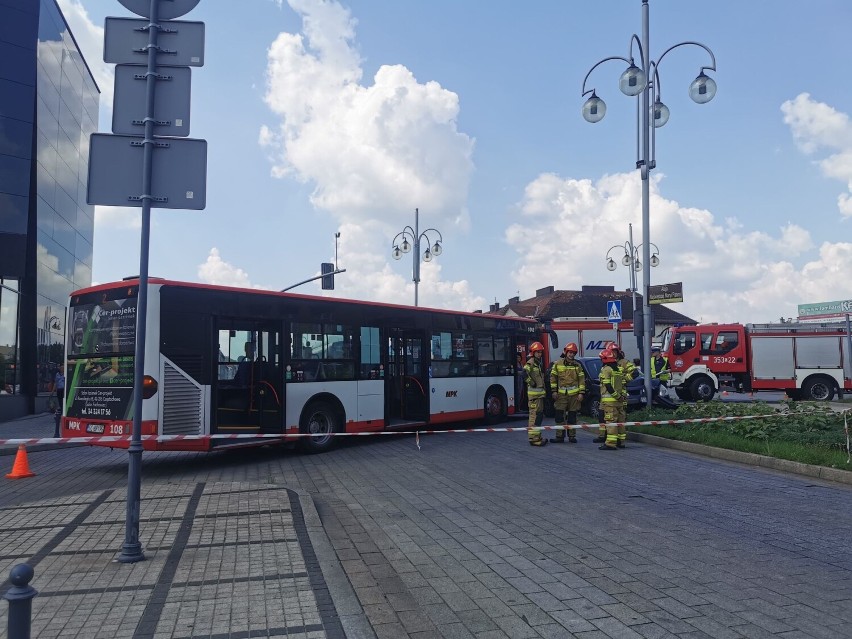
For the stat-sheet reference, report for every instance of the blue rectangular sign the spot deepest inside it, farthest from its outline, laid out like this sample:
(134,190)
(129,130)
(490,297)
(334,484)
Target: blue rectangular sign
(613,311)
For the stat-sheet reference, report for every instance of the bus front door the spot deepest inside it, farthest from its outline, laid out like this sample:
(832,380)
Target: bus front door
(407,382)
(248,394)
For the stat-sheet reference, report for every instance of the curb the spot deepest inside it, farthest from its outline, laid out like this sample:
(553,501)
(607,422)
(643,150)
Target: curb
(752,459)
(352,616)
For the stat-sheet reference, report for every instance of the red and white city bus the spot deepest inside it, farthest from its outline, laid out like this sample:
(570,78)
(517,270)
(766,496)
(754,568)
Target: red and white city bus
(222,360)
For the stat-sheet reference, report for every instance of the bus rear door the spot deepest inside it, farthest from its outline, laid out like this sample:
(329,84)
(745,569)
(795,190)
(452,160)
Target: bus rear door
(407,381)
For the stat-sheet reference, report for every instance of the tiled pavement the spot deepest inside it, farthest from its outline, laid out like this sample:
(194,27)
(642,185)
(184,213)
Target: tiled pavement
(469,536)
(222,560)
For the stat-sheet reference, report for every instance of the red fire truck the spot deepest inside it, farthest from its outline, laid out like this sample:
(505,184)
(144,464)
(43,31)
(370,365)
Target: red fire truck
(807,361)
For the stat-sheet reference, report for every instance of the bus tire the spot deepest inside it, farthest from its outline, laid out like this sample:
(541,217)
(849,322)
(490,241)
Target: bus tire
(496,405)
(701,389)
(818,388)
(321,418)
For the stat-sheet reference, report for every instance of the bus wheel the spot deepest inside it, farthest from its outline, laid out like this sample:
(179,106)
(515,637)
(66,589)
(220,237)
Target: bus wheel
(818,389)
(496,408)
(320,419)
(702,389)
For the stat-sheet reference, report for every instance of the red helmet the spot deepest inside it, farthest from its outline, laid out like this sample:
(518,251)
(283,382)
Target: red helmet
(536,346)
(571,347)
(612,346)
(607,356)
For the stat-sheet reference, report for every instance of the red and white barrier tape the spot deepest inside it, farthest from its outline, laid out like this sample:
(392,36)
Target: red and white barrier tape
(164,438)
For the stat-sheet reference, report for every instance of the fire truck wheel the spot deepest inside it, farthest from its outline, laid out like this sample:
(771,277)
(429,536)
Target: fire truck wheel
(818,389)
(683,394)
(702,389)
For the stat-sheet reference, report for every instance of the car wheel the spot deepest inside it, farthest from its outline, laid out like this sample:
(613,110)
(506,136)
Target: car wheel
(595,409)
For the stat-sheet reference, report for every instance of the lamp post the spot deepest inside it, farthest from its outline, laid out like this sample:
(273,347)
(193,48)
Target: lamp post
(644,84)
(631,260)
(411,237)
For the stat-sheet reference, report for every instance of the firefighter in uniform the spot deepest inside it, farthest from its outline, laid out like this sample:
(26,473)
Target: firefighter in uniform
(534,377)
(567,386)
(660,366)
(629,371)
(612,395)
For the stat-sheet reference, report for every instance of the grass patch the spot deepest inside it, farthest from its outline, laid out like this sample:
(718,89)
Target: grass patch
(805,432)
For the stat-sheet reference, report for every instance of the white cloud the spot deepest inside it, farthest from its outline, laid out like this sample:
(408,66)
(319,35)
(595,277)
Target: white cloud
(729,274)
(216,271)
(117,217)
(373,152)
(817,126)
(90,39)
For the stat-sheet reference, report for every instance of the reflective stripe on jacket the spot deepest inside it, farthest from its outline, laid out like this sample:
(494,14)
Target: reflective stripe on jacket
(628,369)
(613,376)
(567,377)
(660,371)
(534,378)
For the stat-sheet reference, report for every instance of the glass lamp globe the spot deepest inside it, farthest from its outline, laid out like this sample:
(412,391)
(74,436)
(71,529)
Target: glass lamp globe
(427,256)
(594,109)
(406,247)
(437,249)
(396,253)
(702,89)
(637,265)
(610,264)
(625,260)
(660,114)
(655,261)
(632,81)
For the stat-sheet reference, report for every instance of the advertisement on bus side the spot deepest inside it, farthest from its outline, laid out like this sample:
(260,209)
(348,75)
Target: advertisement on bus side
(101,349)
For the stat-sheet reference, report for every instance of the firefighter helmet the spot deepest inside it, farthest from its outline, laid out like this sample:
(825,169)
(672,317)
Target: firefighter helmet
(535,347)
(571,347)
(612,346)
(608,357)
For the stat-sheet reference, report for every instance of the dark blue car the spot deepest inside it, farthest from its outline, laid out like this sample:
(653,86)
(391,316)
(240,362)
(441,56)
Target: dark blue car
(592,399)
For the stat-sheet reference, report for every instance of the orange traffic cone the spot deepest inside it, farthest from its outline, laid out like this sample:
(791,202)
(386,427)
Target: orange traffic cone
(21,468)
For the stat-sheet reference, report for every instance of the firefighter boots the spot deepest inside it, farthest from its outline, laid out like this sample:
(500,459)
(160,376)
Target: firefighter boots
(535,438)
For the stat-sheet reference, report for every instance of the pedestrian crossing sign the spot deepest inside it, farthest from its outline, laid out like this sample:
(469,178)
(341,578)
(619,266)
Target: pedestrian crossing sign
(613,311)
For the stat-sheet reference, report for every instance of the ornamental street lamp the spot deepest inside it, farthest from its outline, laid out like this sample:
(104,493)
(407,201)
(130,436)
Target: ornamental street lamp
(644,83)
(411,237)
(631,260)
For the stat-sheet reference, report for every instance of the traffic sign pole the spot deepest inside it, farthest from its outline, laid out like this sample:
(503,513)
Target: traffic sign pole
(131,550)
(179,179)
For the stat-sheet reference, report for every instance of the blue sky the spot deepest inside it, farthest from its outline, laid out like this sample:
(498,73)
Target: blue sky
(346,116)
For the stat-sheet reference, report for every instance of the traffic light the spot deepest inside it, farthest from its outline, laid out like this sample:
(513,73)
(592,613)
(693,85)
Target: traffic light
(327,270)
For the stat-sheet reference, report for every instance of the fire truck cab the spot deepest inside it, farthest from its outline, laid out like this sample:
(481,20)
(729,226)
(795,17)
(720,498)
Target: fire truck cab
(806,361)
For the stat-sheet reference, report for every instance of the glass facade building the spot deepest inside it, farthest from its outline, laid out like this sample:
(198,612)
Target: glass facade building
(48,109)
